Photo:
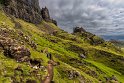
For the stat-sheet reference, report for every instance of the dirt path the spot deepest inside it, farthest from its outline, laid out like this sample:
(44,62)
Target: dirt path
(50,74)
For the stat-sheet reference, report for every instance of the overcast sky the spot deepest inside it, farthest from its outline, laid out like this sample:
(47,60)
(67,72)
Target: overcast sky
(102,17)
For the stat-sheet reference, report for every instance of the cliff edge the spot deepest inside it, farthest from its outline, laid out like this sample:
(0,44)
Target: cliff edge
(28,10)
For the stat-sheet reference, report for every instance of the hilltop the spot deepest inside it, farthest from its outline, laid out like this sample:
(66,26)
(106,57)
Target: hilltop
(28,34)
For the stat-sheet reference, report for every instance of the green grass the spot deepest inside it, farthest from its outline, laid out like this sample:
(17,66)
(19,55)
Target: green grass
(5,21)
(107,70)
(62,53)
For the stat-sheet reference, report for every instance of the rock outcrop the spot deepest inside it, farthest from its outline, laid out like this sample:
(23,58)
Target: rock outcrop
(46,16)
(89,37)
(79,29)
(13,50)
(27,10)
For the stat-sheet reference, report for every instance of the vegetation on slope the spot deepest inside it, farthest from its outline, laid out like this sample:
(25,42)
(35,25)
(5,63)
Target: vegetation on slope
(101,61)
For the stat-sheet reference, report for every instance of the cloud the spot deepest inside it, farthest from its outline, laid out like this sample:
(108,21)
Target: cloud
(97,16)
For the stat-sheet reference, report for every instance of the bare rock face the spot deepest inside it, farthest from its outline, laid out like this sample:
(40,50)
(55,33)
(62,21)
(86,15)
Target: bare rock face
(78,29)
(27,10)
(46,16)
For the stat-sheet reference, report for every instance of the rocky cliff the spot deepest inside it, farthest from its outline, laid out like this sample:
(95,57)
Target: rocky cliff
(28,10)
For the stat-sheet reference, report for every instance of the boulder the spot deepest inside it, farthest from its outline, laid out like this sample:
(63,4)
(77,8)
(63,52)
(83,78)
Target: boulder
(82,56)
(35,63)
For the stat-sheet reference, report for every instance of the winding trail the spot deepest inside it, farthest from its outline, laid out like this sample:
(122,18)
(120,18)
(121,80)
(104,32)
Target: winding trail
(49,77)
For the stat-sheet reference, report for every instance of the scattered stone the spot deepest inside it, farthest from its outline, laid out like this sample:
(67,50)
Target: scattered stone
(36,64)
(20,53)
(42,68)
(107,79)
(21,33)
(13,50)
(35,67)
(73,74)
(92,73)
(82,56)
(27,39)
(113,78)
(33,45)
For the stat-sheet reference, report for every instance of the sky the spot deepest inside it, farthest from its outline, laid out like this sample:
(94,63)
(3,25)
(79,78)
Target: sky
(101,17)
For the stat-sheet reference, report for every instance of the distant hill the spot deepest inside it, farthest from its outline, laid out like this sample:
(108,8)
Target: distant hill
(115,37)
(119,43)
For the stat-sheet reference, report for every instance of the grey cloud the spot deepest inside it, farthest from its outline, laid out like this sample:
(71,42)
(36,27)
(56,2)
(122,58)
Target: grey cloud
(97,16)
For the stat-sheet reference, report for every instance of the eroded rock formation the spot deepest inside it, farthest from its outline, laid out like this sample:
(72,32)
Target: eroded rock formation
(46,16)
(28,10)
(79,29)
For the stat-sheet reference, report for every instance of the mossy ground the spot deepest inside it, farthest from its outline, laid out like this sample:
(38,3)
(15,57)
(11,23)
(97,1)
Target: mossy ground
(65,49)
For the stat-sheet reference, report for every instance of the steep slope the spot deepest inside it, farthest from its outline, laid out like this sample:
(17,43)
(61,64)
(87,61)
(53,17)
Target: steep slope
(81,58)
(28,10)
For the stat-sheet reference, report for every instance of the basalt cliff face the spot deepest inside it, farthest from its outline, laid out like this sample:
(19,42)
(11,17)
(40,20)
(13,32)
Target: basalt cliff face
(46,16)
(28,10)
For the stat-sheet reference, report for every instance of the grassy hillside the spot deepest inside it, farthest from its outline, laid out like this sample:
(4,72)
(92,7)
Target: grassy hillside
(102,61)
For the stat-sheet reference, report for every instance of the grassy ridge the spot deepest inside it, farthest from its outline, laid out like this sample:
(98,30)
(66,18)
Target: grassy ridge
(107,70)
(63,46)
